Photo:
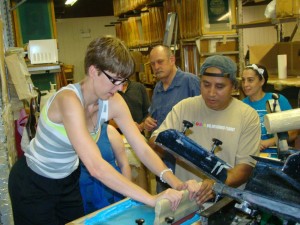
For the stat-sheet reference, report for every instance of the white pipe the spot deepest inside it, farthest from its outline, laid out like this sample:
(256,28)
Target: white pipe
(282,121)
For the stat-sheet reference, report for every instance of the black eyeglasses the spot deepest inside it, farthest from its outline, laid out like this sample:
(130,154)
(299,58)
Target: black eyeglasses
(113,80)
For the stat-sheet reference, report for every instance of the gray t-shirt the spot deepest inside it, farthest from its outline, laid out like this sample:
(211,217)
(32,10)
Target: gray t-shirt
(237,127)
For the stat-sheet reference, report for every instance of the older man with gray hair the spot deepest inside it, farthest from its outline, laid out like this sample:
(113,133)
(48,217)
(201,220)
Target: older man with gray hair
(173,86)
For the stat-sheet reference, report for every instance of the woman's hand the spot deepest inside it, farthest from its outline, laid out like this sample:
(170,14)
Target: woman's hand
(172,195)
(192,186)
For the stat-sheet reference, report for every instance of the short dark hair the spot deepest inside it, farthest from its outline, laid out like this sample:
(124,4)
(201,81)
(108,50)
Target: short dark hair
(109,53)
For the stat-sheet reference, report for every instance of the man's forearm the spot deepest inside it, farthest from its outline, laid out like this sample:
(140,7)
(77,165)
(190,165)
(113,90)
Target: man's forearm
(238,175)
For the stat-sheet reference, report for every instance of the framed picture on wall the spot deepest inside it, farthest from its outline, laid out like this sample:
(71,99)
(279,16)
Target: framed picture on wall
(217,16)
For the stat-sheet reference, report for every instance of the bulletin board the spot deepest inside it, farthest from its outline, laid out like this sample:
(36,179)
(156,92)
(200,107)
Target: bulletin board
(34,20)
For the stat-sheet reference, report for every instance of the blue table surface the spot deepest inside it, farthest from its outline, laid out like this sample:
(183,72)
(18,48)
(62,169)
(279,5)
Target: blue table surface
(126,212)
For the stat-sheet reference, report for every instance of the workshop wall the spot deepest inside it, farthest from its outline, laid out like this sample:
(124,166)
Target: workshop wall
(73,36)
(268,35)
(262,35)
(257,35)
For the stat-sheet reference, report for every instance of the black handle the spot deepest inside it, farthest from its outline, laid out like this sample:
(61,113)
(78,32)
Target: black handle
(217,142)
(139,221)
(187,125)
(169,219)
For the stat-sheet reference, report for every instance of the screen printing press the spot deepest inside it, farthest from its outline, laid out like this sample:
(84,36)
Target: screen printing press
(273,188)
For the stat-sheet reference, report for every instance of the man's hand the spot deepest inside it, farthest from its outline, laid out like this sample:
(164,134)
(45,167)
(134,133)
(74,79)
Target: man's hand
(205,192)
(140,126)
(150,123)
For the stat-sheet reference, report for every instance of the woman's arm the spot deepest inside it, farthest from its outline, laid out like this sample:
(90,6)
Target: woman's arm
(118,148)
(267,143)
(67,109)
(120,112)
(273,141)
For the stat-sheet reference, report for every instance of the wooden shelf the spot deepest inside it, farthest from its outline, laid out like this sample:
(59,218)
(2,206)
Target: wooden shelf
(219,53)
(209,37)
(280,84)
(265,22)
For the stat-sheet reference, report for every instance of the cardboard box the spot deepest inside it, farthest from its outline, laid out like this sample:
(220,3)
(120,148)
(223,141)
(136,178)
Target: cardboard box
(296,58)
(287,8)
(227,46)
(267,55)
(204,46)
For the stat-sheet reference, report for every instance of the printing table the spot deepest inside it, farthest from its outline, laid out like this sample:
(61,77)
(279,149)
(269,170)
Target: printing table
(127,211)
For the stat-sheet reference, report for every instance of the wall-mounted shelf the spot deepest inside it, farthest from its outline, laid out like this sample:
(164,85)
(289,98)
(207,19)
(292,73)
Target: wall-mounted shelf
(220,53)
(43,68)
(132,8)
(265,22)
(209,37)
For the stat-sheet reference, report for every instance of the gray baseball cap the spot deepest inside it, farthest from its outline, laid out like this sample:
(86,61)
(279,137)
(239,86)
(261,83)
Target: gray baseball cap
(224,63)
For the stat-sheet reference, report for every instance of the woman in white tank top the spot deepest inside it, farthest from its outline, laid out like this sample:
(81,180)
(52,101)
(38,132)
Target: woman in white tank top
(43,186)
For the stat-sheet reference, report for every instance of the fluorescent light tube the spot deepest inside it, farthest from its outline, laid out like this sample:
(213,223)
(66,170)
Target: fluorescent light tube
(70,2)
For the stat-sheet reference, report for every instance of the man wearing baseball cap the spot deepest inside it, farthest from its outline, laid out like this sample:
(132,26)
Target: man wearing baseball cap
(216,114)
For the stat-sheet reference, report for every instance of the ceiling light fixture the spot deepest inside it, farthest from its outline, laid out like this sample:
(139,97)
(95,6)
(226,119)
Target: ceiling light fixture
(70,2)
